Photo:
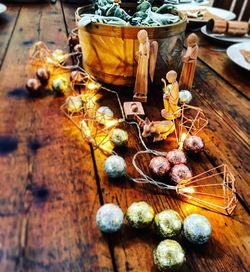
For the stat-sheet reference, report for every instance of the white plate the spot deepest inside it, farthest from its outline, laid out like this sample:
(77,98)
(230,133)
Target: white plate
(2,8)
(224,38)
(222,13)
(234,54)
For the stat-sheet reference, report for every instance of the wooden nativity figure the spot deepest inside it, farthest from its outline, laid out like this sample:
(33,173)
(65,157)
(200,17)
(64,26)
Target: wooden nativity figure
(147,57)
(189,63)
(170,97)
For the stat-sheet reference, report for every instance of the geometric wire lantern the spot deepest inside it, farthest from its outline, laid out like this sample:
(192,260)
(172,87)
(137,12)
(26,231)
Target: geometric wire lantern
(192,121)
(95,127)
(213,189)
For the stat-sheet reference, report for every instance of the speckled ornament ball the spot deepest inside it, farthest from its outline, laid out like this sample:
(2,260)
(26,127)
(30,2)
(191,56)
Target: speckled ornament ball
(74,104)
(193,144)
(168,223)
(119,137)
(60,86)
(185,97)
(43,75)
(104,114)
(33,85)
(115,166)
(169,256)
(140,215)
(159,166)
(180,172)
(197,229)
(109,218)
(176,156)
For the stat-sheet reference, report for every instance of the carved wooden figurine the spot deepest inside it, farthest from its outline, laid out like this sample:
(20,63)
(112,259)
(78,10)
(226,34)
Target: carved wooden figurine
(158,129)
(147,56)
(171,97)
(189,63)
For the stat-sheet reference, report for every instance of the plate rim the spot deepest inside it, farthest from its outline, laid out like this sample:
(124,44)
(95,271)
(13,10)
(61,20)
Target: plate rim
(228,54)
(233,15)
(4,8)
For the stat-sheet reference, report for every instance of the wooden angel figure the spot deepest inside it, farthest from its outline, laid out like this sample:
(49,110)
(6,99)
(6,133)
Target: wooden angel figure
(189,63)
(147,56)
(171,97)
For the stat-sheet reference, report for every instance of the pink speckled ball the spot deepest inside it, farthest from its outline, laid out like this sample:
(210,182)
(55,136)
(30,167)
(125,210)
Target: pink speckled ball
(193,144)
(176,157)
(159,166)
(180,172)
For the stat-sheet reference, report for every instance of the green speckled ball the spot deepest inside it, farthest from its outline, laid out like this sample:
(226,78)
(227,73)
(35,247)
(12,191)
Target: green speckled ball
(197,229)
(119,137)
(60,86)
(140,215)
(168,223)
(169,256)
(115,166)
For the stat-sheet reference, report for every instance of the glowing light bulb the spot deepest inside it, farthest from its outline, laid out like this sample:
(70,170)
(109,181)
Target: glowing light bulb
(92,86)
(182,139)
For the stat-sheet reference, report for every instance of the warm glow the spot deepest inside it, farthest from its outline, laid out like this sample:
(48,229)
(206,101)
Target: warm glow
(110,123)
(188,190)
(91,86)
(183,137)
(85,130)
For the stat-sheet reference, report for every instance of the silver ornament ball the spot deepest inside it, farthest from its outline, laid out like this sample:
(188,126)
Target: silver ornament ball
(109,218)
(197,229)
(185,97)
(115,166)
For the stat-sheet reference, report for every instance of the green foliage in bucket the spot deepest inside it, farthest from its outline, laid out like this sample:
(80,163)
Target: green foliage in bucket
(146,14)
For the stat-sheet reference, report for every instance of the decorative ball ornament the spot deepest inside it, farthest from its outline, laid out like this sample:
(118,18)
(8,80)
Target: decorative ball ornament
(180,172)
(109,218)
(159,166)
(104,114)
(176,156)
(115,166)
(168,223)
(197,229)
(140,215)
(185,97)
(43,75)
(169,256)
(59,56)
(60,85)
(119,137)
(74,104)
(193,144)
(33,85)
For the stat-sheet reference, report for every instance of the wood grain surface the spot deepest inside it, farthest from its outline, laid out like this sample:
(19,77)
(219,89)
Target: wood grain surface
(53,183)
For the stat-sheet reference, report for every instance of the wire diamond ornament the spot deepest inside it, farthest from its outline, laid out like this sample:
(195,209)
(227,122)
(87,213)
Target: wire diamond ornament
(213,189)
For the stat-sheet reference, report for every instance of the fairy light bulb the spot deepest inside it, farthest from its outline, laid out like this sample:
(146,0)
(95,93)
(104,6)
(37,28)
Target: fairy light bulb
(182,139)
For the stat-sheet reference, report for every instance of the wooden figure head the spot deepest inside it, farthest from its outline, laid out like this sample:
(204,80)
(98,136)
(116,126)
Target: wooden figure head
(142,36)
(192,39)
(171,76)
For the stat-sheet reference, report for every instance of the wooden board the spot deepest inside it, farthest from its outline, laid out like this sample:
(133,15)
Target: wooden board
(48,195)
(52,183)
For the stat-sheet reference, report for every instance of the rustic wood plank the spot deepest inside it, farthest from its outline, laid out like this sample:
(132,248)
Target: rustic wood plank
(52,198)
(219,62)
(7,25)
(229,246)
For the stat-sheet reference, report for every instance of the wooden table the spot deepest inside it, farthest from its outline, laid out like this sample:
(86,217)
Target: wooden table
(52,183)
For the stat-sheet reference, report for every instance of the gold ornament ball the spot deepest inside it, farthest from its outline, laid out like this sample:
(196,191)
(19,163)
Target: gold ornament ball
(168,223)
(119,137)
(60,86)
(74,104)
(140,215)
(169,256)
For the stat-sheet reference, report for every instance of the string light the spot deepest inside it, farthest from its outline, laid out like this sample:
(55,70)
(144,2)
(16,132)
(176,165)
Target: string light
(214,189)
